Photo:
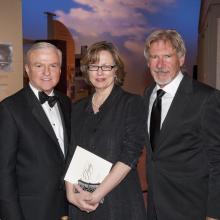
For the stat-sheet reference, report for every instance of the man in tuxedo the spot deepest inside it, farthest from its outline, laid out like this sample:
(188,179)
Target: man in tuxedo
(34,131)
(183,136)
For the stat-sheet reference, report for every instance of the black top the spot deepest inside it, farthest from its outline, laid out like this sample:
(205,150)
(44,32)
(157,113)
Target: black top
(115,133)
(184,168)
(31,160)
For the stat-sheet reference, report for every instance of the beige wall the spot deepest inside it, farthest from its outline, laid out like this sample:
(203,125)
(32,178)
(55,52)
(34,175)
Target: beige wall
(11,32)
(208,48)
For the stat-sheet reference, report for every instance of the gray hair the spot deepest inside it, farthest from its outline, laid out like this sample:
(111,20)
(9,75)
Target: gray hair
(42,45)
(169,35)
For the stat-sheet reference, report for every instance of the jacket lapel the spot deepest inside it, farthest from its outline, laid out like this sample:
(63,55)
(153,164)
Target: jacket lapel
(41,117)
(146,103)
(64,119)
(178,106)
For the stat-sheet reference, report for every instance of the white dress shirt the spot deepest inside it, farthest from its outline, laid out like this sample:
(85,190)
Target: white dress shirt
(167,98)
(54,117)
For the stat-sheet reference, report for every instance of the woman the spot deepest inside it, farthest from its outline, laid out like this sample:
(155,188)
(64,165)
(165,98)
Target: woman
(110,124)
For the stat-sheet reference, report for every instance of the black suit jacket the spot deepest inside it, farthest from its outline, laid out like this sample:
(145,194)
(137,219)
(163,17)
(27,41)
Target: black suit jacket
(116,133)
(31,161)
(184,169)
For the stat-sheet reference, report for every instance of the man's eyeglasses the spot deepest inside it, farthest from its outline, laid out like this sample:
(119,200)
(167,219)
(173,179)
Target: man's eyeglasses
(103,68)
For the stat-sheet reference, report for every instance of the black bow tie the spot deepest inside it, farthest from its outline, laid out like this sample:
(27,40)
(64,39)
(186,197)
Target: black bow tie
(43,97)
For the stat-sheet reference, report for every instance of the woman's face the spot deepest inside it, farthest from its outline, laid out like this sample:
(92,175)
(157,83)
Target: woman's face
(102,73)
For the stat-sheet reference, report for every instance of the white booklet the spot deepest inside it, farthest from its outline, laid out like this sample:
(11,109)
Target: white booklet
(87,167)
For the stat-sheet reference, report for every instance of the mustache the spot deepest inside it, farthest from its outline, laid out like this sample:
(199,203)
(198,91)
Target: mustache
(161,71)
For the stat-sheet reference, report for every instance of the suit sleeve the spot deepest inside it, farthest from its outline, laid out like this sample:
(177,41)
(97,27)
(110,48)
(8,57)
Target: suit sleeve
(133,141)
(212,145)
(9,203)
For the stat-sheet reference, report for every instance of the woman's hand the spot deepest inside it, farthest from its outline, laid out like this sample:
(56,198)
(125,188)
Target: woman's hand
(81,198)
(208,218)
(95,198)
(116,175)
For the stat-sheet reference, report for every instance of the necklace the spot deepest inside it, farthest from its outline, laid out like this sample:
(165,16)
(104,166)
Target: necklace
(96,105)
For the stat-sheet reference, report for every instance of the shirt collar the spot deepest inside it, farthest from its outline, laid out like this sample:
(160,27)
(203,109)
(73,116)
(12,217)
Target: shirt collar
(35,90)
(171,87)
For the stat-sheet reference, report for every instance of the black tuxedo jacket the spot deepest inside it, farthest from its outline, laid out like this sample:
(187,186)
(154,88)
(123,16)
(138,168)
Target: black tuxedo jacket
(184,168)
(31,161)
